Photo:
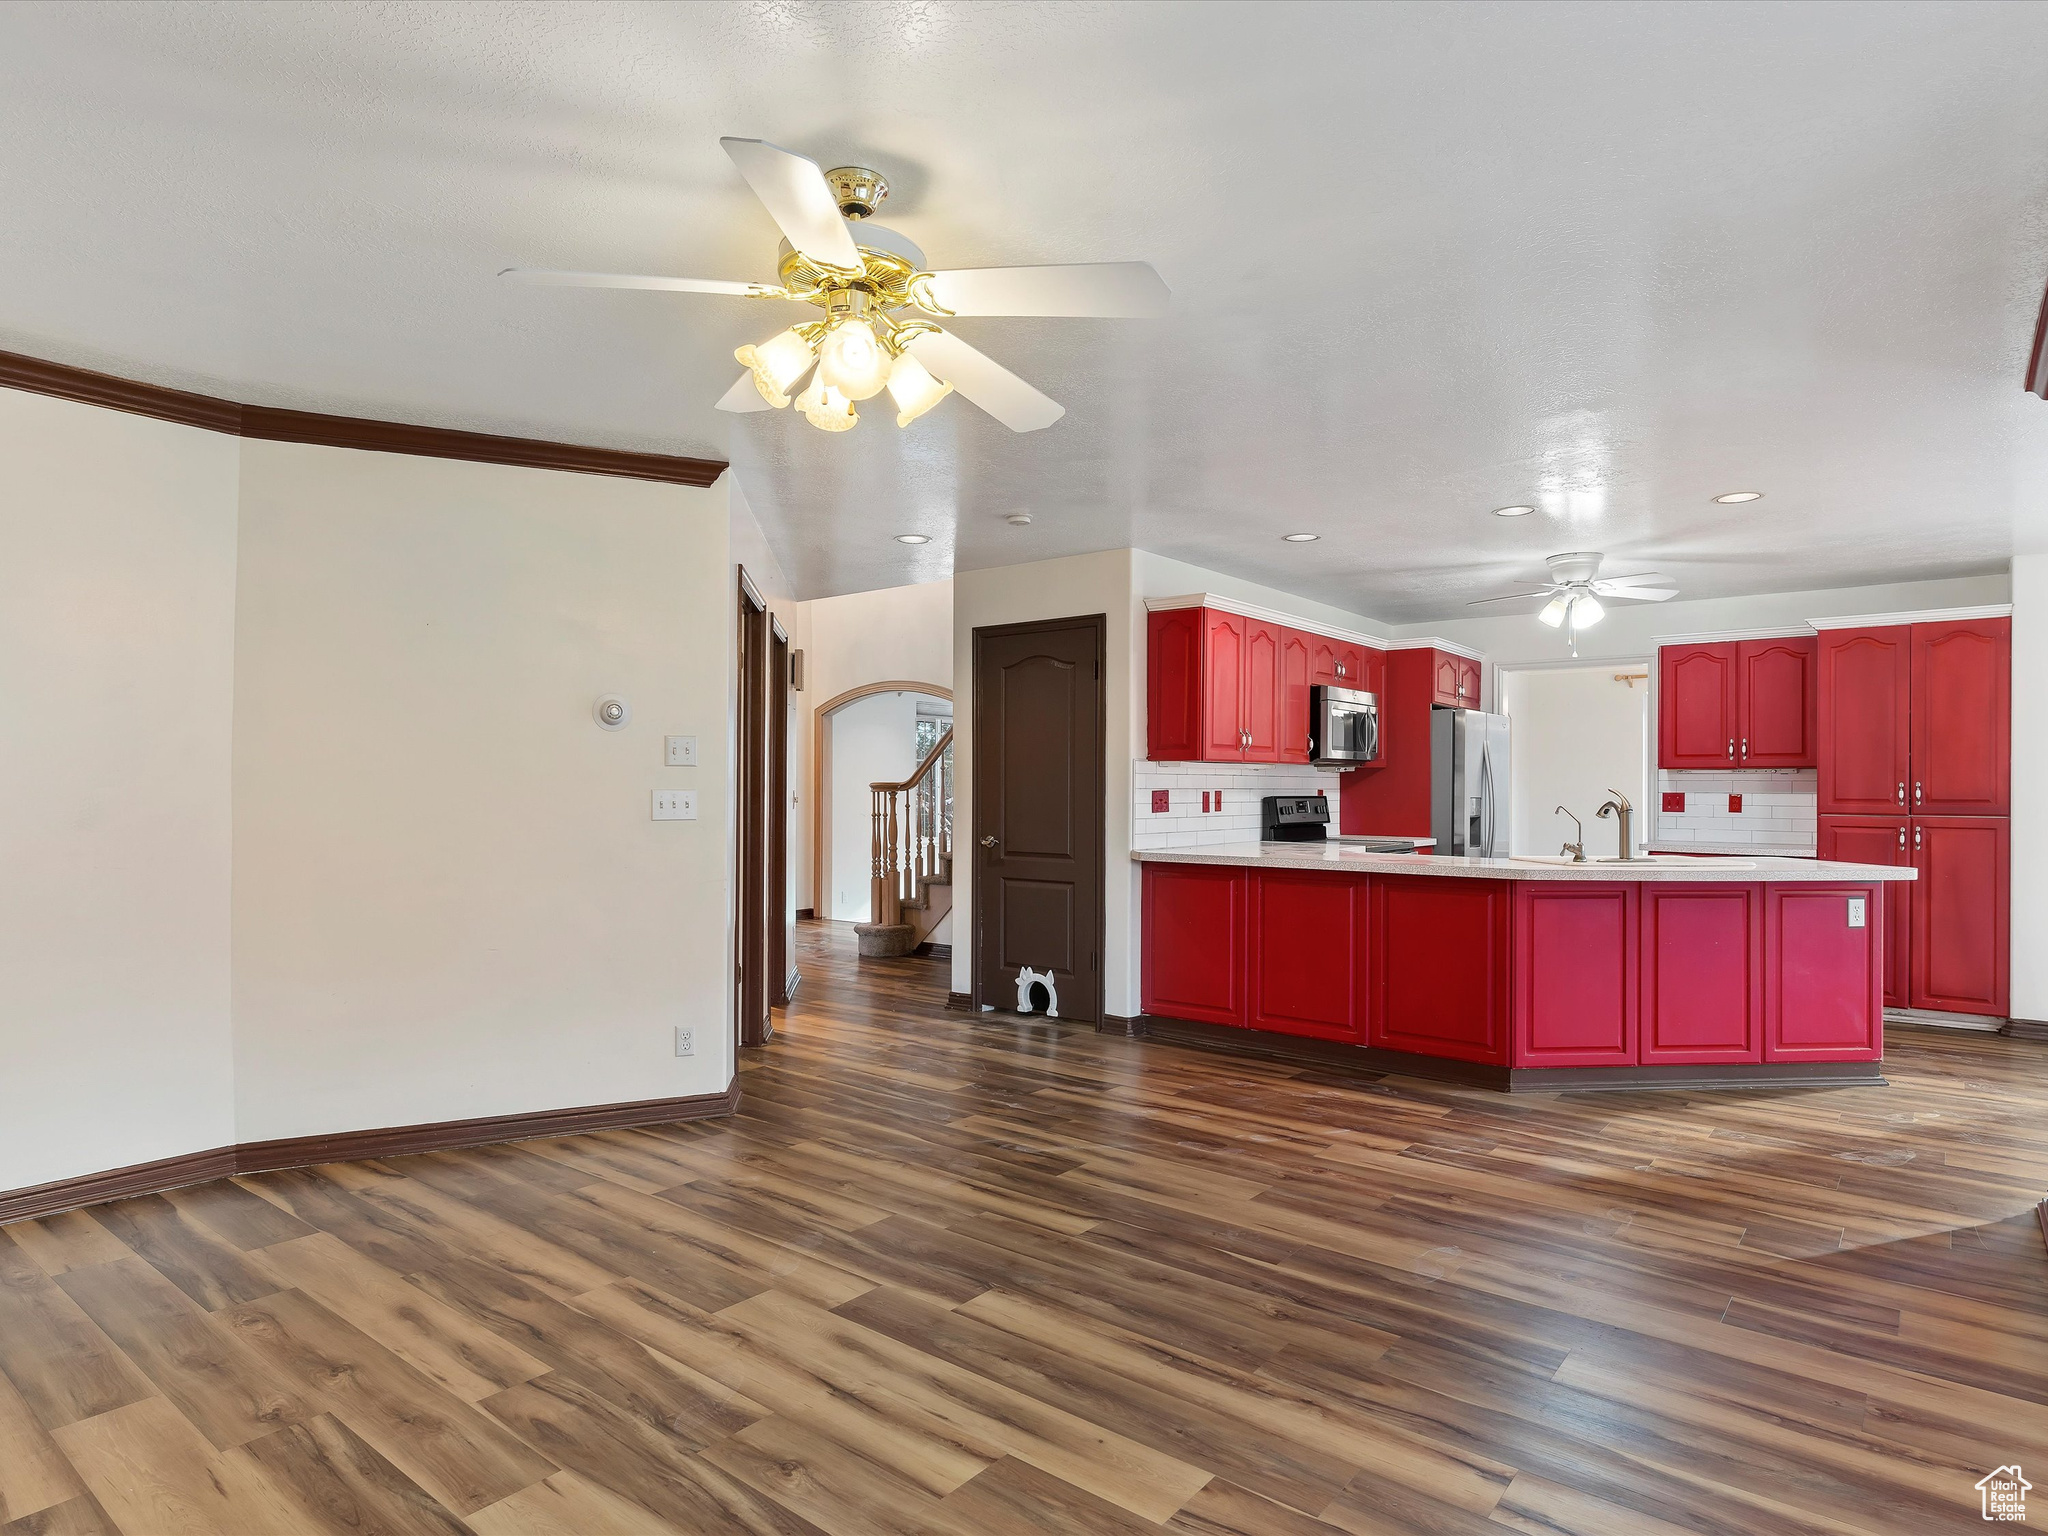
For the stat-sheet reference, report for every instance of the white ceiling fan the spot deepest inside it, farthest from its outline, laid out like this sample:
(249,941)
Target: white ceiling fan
(1576,587)
(877,297)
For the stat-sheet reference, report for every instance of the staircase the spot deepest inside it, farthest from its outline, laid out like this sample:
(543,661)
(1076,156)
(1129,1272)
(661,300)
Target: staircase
(911,837)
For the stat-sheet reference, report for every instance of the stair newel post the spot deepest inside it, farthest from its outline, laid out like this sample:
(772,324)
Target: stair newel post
(875,845)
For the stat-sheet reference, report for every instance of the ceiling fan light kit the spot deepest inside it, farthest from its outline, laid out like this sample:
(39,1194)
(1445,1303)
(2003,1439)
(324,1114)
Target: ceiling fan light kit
(1575,589)
(876,293)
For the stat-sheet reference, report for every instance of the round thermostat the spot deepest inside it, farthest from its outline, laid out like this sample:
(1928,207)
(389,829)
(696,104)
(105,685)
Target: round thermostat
(612,712)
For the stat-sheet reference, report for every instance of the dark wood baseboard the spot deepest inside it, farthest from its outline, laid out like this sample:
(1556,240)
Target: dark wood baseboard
(1131,1024)
(61,380)
(960,1002)
(790,983)
(1370,1061)
(807,914)
(354,1146)
(935,951)
(2027,1029)
(116,1184)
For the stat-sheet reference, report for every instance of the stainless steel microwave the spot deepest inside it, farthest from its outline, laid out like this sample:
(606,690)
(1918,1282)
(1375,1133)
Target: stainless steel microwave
(1343,726)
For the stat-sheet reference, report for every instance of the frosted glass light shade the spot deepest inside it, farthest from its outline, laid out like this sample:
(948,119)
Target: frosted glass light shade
(1586,612)
(1553,615)
(914,389)
(852,361)
(777,364)
(825,408)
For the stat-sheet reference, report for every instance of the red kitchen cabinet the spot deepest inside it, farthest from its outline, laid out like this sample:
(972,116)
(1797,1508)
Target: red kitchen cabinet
(1775,703)
(1454,680)
(1696,712)
(1575,957)
(1824,960)
(1439,967)
(1294,687)
(1962,718)
(1195,952)
(1309,940)
(1864,682)
(1261,691)
(1223,682)
(1960,917)
(1880,840)
(1391,794)
(1702,959)
(1341,663)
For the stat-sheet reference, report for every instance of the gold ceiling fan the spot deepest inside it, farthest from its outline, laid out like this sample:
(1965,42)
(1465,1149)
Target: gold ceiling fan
(878,331)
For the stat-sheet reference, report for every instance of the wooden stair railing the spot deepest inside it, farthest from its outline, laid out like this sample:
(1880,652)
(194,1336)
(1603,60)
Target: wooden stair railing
(911,833)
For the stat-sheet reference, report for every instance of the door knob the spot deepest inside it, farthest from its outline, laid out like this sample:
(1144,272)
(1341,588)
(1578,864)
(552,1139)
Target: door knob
(989,841)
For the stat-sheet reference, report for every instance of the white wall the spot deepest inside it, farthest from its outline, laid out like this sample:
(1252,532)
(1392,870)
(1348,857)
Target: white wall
(1574,734)
(897,634)
(2029,976)
(450,900)
(117,601)
(866,742)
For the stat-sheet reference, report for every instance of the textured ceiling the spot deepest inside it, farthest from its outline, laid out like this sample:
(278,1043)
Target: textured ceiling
(1426,260)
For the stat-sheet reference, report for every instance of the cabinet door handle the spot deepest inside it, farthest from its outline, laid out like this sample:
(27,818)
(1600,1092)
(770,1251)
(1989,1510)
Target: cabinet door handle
(1731,749)
(1745,746)
(1902,831)
(1919,794)
(1902,801)
(1916,837)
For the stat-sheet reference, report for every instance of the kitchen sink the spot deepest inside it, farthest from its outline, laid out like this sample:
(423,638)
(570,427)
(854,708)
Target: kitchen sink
(1565,860)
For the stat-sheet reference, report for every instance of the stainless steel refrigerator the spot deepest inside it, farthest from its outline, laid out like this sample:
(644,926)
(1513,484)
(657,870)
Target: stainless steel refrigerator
(1468,782)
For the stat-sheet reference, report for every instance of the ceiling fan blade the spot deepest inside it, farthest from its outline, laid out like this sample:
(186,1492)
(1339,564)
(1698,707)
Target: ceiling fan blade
(1110,290)
(1638,589)
(793,190)
(1645,579)
(1512,597)
(743,396)
(985,381)
(542,277)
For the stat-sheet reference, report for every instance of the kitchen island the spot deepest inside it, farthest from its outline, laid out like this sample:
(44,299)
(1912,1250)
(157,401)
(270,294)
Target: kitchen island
(1521,973)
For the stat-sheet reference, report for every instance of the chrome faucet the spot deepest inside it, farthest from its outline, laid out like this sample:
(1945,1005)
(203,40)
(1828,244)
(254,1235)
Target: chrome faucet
(1620,808)
(1576,850)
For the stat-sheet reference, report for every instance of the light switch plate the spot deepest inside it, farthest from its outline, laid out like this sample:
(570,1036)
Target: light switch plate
(1859,912)
(675,805)
(682,751)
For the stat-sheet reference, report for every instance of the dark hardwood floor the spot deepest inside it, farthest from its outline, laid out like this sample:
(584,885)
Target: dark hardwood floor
(953,1275)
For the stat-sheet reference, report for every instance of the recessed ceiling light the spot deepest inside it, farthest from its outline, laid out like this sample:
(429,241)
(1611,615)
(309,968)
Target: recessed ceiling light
(1301,538)
(913,538)
(1740,496)
(1512,511)
(1019,519)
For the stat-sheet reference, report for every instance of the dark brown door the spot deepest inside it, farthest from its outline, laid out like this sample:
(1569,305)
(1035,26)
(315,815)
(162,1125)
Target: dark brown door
(1038,810)
(750,969)
(782,974)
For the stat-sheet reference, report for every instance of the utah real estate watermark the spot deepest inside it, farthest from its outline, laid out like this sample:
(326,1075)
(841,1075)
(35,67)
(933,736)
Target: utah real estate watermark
(2004,1493)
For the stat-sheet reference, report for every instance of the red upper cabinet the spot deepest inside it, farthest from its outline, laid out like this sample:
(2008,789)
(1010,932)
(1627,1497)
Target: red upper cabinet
(1322,659)
(1468,683)
(1294,687)
(1775,703)
(1173,685)
(1351,666)
(1445,673)
(1223,675)
(1864,679)
(1696,711)
(1261,691)
(1962,718)
(1961,918)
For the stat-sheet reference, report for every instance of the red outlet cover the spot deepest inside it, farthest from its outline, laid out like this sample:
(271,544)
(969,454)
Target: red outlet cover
(1205,800)
(1734,804)
(1161,800)
(1674,801)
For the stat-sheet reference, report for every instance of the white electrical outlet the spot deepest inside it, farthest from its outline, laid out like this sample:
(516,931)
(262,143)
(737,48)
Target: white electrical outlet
(686,1041)
(1858,909)
(675,805)
(682,751)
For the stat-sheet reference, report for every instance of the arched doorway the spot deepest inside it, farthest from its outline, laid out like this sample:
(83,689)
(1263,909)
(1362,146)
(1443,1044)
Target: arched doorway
(874,732)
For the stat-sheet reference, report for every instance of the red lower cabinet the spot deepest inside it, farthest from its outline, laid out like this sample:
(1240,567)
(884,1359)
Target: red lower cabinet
(1824,948)
(1308,948)
(1575,974)
(1439,984)
(1702,977)
(1880,840)
(1961,919)
(1196,953)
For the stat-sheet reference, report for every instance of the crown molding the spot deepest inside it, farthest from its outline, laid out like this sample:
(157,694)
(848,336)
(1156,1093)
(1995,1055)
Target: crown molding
(1269,615)
(1717,636)
(1914,616)
(1436,643)
(271,424)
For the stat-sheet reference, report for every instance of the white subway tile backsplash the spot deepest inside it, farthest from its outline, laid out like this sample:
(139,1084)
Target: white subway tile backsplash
(1236,788)
(1779,809)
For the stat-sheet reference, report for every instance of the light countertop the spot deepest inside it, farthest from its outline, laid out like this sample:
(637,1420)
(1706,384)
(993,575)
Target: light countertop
(1681,868)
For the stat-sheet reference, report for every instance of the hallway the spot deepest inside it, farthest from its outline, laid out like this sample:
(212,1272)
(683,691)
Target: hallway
(970,1276)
